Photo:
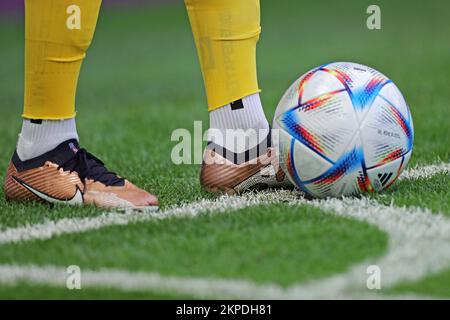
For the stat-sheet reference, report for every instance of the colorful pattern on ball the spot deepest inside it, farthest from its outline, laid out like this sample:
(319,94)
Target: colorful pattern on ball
(342,114)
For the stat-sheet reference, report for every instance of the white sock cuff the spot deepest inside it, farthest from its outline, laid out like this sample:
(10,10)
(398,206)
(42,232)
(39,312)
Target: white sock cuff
(233,116)
(49,129)
(37,138)
(245,114)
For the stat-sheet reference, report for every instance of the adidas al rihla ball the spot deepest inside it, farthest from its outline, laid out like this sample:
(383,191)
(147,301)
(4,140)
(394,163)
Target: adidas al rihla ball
(344,129)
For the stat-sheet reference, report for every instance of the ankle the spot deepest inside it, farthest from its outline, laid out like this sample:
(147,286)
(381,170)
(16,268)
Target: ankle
(243,120)
(40,136)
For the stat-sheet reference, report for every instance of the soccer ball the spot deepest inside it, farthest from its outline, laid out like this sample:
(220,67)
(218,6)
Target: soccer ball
(344,128)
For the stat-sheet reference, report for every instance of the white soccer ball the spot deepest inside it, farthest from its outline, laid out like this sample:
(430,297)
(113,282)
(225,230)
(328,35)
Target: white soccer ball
(344,128)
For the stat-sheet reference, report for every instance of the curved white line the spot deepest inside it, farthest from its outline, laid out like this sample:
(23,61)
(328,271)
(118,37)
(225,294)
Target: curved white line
(419,244)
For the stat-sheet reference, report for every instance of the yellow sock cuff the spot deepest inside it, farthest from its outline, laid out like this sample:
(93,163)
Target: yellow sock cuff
(57,36)
(226,33)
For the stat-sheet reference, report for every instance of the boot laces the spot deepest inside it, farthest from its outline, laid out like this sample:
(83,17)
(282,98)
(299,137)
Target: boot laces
(90,167)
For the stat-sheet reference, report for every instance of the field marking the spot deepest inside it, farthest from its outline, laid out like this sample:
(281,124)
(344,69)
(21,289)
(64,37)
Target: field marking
(53,228)
(122,280)
(419,244)
(425,172)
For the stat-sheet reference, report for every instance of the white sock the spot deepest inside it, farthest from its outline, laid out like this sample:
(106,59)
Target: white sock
(39,138)
(246,113)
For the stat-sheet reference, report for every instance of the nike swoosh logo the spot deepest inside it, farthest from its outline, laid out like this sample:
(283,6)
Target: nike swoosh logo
(77,199)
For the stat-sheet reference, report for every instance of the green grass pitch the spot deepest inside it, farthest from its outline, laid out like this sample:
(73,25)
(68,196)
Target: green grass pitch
(141,80)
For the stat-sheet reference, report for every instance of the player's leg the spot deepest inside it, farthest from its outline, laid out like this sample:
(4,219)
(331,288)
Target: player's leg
(226,33)
(48,164)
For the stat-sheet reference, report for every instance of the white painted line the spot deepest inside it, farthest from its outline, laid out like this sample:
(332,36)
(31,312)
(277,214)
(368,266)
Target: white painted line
(419,244)
(153,282)
(425,172)
(133,281)
(50,229)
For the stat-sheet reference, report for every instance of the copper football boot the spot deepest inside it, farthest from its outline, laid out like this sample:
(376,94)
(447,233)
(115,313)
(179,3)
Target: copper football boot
(70,175)
(225,171)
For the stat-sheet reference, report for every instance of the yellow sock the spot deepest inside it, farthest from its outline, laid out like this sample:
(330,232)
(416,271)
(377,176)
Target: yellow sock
(226,33)
(57,35)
